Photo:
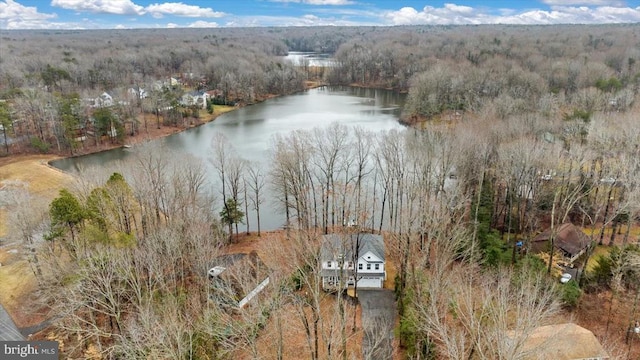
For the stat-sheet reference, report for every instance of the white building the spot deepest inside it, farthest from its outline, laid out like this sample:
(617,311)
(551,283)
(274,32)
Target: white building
(195,98)
(346,259)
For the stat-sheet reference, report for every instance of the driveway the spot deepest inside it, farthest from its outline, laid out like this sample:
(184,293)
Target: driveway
(8,329)
(378,320)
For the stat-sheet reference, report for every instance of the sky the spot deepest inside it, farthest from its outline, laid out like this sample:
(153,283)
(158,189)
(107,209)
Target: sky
(129,14)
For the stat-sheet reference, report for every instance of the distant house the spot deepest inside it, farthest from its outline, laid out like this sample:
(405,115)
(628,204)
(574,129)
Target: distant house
(561,342)
(343,262)
(104,100)
(237,278)
(569,240)
(169,83)
(195,98)
(137,92)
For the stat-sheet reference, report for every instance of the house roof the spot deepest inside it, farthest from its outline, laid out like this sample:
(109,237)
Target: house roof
(335,244)
(238,274)
(562,342)
(8,329)
(569,238)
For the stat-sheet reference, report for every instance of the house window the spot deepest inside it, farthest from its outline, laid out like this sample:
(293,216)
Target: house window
(377,266)
(359,266)
(328,264)
(368,266)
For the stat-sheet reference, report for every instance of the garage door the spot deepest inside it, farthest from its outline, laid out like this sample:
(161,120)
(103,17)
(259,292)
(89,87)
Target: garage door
(370,282)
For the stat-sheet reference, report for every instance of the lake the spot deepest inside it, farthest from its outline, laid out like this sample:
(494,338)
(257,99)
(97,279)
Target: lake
(252,128)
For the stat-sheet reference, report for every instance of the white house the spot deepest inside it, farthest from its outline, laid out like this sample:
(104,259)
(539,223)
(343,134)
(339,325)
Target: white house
(170,83)
(137,92)
(104,100)
(346,259)
(198,98)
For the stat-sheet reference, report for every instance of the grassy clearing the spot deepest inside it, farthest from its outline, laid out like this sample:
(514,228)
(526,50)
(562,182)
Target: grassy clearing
(218,110)
(16,281)
(600,250)
(3,223)
(33,174)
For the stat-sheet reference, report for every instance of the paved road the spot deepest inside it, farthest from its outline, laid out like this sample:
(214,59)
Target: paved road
(8,330)
(378,320)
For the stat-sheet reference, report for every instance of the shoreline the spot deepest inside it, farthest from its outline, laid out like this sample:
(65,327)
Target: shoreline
(147,132)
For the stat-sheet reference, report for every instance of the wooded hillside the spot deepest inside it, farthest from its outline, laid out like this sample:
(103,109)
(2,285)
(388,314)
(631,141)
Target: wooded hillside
(515,130)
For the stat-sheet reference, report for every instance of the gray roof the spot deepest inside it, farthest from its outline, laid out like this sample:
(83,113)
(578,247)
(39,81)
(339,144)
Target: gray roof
(569,238)
(8,329)
(335,244)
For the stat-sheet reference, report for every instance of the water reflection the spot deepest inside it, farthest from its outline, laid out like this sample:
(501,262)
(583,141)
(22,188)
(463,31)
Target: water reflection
(251,129)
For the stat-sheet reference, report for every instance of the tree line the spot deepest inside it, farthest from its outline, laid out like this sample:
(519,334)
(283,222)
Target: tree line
(504,70)
(529,128)
(451,201)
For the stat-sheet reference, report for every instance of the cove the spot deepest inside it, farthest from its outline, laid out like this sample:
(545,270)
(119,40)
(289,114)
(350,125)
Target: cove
(251,129)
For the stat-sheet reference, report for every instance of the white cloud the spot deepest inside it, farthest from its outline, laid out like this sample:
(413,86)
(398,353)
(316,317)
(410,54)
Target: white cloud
(181,9)
(305,20)
(616,3)
(328,2)
(172,26)
(452,14)
(604,14)
(204,24)
(317,2)
(458,9)
(119,7)
(17,16)
(13,15)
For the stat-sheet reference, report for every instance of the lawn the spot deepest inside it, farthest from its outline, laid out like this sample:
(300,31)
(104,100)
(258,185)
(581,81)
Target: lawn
(32,173)
(600,250)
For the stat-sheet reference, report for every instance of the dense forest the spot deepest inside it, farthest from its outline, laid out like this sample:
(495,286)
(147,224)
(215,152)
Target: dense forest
(505,70)
(512,130)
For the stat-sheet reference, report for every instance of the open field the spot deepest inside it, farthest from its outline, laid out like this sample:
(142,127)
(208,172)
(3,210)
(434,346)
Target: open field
(34,173)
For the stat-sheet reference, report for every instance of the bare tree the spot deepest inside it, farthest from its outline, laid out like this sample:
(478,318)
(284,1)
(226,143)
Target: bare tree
(490,326)
(255,182)
(28,220)
(229,168)
(328,146)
